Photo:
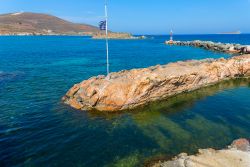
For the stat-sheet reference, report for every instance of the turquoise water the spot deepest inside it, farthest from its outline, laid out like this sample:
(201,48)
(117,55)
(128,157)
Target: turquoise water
(37,129)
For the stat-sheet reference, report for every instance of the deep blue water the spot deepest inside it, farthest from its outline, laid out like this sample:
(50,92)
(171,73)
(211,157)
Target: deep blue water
(36,129)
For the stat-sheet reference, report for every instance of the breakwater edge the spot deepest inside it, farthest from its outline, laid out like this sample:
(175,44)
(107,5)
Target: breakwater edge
(214,46)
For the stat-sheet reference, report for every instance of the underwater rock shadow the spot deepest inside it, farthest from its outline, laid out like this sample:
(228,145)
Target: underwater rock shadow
(158,133)
(10,76)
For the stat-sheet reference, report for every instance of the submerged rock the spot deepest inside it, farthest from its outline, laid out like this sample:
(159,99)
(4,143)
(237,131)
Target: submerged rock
(129,89)
(8,76)
(234,156)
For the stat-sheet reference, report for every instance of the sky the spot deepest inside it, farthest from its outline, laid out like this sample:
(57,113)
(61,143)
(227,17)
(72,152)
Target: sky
(146,16)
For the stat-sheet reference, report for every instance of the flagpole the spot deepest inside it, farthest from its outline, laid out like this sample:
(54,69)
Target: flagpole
(107,44)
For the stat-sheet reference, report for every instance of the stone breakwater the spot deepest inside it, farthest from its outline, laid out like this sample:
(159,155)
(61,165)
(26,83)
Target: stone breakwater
(213,46)
(236,155)
(129,89)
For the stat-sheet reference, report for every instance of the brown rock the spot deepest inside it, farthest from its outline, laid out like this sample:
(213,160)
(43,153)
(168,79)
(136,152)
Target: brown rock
(241,144)
(75,104)
(129,89)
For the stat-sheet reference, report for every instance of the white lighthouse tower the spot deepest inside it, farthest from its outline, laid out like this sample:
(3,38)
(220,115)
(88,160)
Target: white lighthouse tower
(171,40)
(171,36)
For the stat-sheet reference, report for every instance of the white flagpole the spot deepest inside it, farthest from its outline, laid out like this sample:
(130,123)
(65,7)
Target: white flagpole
(107,44)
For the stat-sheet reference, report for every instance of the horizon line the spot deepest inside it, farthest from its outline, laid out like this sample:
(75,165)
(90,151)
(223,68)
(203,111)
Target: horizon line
(242,33)
(192,34)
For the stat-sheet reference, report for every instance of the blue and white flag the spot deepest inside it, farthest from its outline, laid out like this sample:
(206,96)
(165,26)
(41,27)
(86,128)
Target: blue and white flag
(102,25)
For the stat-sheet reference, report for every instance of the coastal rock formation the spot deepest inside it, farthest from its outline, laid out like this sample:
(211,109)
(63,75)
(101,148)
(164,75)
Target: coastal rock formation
(236,155)
(220,47)
(129,89)
(112,35)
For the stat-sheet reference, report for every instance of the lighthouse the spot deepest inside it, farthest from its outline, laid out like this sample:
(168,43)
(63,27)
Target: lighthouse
(171,36)
(171,41)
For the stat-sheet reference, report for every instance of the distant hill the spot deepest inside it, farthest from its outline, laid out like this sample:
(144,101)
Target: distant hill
(35,24)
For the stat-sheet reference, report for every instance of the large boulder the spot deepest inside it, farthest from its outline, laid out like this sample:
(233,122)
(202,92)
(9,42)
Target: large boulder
(241,144)
(129,89)
(247,49)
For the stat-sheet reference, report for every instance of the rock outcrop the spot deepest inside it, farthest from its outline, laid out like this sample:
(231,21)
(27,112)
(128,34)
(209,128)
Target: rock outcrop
(129,89)
(236,155)
(220,47)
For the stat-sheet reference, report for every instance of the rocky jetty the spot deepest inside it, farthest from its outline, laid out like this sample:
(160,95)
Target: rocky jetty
(236,155)
(213,46)
(112,35)
(129,89)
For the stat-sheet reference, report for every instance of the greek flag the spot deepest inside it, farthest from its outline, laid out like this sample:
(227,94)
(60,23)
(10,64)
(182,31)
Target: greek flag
(102,25)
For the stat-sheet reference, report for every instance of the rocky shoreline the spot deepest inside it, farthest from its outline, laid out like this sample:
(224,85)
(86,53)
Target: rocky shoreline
(44,34)
(112,35)
(129,89)
(236,155)
(213,46)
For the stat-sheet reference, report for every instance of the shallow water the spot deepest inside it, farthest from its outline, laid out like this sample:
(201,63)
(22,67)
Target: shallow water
(36,129)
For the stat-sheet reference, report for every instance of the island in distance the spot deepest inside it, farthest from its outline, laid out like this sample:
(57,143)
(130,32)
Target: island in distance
(26,23)
(230,33)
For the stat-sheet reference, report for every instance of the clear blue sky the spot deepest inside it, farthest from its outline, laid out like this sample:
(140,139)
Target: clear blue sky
(146,16)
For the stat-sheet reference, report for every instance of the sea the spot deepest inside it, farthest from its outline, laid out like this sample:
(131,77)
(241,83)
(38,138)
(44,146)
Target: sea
(37,129)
